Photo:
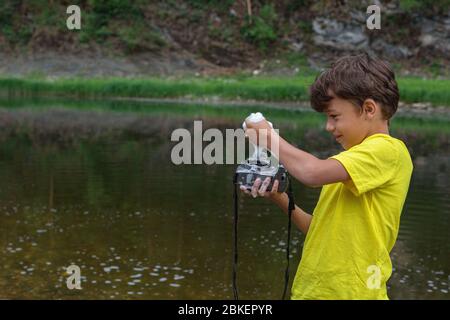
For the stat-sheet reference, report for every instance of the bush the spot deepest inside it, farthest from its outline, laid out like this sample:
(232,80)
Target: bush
(103,13)
(217,4)
(260,30)
(428,6)
(10,25)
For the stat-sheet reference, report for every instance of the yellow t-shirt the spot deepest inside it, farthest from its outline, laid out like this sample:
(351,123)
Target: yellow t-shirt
(355,224)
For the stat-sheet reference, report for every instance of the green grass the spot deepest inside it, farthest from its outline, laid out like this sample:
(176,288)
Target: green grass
(246,88)
(239,88)
(423,90)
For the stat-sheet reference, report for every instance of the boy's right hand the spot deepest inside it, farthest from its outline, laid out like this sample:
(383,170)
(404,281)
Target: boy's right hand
(259,188)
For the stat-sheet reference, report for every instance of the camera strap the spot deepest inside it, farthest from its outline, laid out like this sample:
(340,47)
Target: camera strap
(291,207)
(235,249)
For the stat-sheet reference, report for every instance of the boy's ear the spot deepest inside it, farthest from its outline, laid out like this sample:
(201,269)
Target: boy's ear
(370,108)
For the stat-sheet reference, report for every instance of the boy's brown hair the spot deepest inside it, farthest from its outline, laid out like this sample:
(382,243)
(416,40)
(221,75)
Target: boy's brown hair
(357,78)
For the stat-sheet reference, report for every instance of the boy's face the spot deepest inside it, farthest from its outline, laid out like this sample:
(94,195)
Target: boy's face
(346,123)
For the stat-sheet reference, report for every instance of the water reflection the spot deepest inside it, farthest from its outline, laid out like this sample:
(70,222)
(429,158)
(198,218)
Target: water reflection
(141,228)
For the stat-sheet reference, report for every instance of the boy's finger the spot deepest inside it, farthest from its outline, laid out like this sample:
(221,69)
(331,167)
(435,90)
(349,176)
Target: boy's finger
(265,184)
(275,187)
(244,190)
(255,187)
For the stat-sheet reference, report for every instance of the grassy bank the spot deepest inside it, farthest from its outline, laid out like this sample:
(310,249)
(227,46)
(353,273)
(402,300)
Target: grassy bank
(245,88)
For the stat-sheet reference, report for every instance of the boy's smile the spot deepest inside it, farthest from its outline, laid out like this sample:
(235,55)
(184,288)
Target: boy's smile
(346,123)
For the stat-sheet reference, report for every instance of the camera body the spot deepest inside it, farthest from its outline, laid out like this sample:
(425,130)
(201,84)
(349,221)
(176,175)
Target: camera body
(259,165)
(250,170)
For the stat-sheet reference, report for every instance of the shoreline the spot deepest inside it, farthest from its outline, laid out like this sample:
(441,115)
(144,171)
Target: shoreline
(419,94)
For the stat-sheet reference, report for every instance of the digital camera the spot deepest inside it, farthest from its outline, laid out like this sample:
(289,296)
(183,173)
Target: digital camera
(261,167)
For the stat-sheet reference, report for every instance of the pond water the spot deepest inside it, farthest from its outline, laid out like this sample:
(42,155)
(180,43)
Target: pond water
(139,227)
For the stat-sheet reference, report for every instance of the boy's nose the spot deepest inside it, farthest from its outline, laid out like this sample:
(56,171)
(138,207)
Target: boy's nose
(329,126)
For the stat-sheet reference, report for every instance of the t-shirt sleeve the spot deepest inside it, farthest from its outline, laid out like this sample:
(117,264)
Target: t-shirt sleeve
(370,164)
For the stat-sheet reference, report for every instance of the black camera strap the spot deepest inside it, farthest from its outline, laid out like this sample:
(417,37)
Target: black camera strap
(291,207)
(235,249)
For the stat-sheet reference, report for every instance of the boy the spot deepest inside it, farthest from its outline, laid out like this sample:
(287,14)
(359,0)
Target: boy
(356,220)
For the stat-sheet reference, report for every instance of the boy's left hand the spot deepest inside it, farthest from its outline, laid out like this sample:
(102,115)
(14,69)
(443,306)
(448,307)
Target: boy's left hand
(263,124)
(259,188)
(260,131)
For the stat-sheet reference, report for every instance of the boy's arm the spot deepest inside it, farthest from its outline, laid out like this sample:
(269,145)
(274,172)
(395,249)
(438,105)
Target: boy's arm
(305,167)
(299,217)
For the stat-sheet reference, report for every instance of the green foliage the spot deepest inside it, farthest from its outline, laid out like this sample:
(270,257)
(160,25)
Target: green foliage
(222,33)
(425,5)
(296,59)
(305,27)
(294,5)
(217,5)
(261,29)
(409,5)
(106,9)
(220,5)
(435,68)
(102,21)
(138,37)
(103,14)
(11,27)
(421,90)
(255,88)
